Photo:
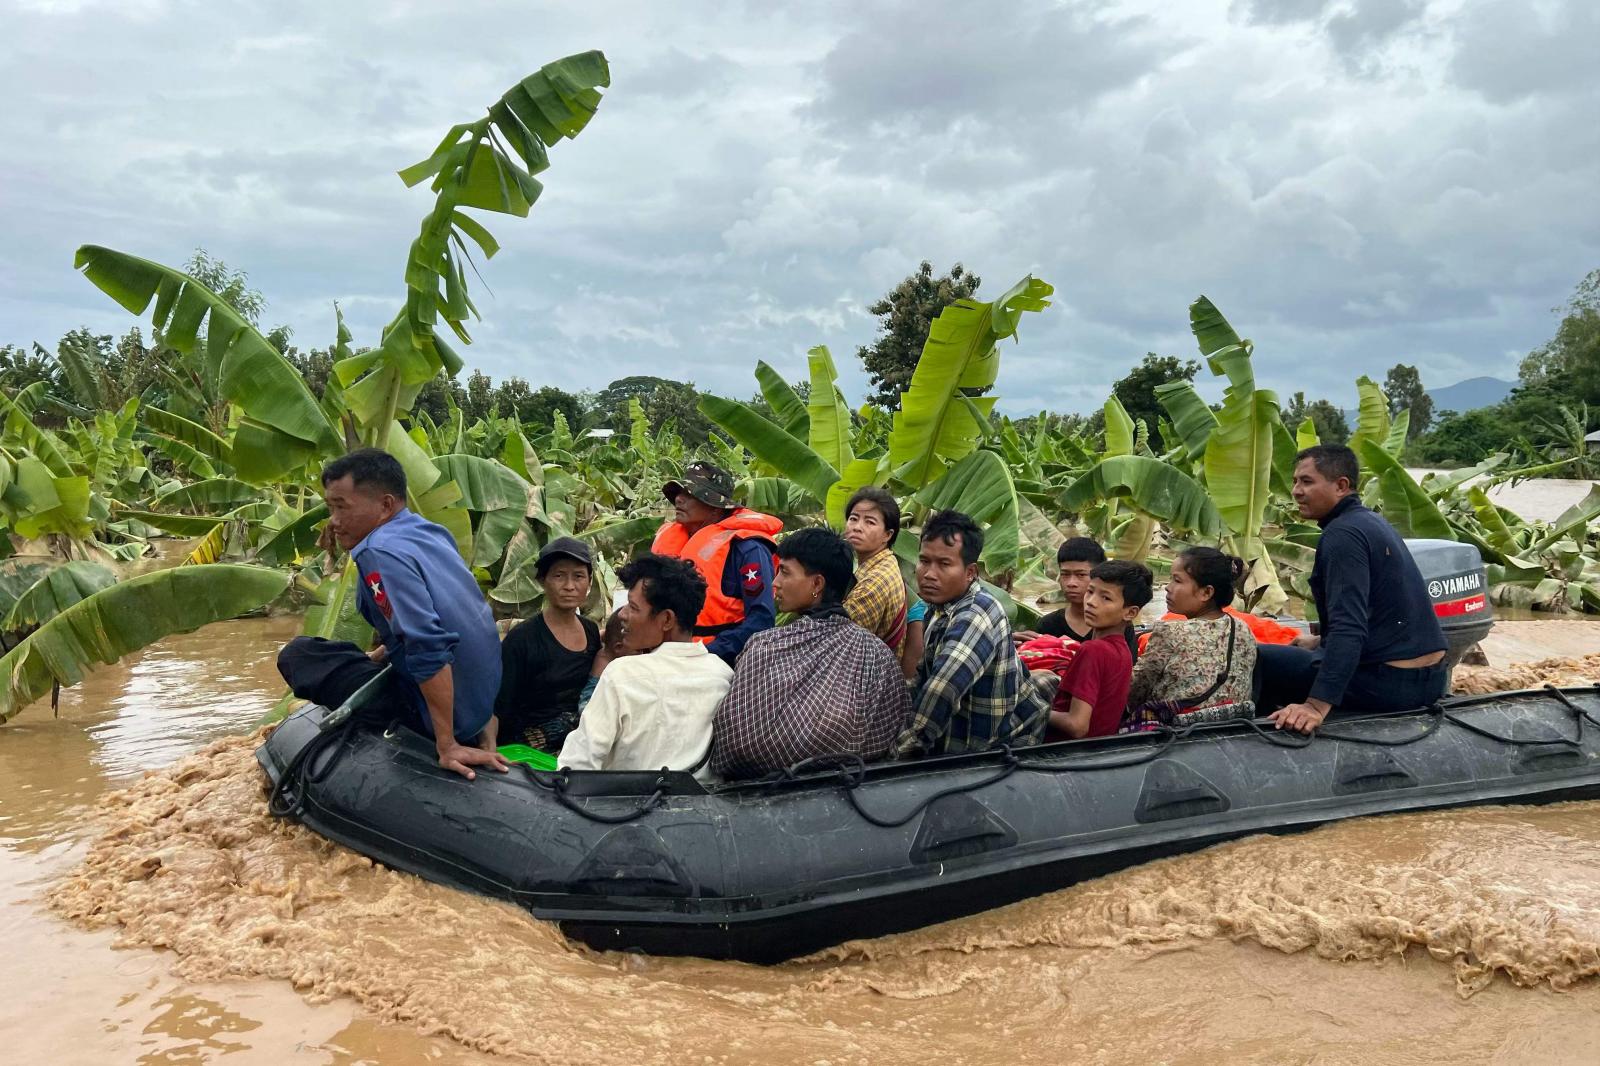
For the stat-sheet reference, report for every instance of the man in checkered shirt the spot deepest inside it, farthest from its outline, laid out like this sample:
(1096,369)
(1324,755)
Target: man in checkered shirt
(971,691)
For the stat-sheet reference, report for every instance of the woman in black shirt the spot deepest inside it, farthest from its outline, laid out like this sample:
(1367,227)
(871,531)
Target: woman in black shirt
(545,661)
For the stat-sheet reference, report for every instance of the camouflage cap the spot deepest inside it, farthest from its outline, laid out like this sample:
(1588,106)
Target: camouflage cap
(706,482)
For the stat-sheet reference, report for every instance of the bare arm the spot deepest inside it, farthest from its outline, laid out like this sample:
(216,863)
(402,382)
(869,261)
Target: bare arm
(1074,721)
(440,694)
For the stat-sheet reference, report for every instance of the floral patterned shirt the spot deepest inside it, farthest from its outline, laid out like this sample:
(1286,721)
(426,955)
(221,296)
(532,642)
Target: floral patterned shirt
(1183,659)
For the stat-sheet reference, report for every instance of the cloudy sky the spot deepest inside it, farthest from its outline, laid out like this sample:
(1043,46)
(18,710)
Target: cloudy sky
(1354,182)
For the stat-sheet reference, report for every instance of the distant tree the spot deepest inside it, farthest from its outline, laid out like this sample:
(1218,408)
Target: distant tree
(1403,386)
(1569,363)
(541,407)
(907,312)
(1332,426)
(21,367)
(436,396)
(1137,390)
(315,367)
(1463,439)
(232,285)
(662,398)
(479,399)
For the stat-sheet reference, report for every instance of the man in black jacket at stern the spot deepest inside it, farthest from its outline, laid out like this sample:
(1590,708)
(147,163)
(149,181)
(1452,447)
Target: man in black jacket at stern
(1381,648)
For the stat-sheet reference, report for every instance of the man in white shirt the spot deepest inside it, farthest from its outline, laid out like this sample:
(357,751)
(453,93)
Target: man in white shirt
(653,707)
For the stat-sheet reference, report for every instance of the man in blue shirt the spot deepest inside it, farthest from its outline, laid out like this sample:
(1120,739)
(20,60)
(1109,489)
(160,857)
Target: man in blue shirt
(432,623)
(1381,648)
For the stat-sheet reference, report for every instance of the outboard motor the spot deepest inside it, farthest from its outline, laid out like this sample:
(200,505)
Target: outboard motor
(1459,590)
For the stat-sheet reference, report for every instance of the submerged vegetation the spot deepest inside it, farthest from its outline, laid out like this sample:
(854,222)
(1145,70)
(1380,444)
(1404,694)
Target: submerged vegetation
(217,431)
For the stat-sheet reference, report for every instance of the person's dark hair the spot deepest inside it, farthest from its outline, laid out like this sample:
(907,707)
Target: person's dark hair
(1224,573)
(946,526)
(1134,578)
(1080,550)
(368,466)
(611,635)
(1333,461)
(822,551)
(669,584)
(886,504)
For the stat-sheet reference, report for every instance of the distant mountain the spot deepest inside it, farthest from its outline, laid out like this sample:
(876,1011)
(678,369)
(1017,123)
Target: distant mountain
(1471,394)
(1463,396)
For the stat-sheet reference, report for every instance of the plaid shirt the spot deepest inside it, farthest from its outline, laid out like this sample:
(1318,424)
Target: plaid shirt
(820,685)
(972,691)
(878,602)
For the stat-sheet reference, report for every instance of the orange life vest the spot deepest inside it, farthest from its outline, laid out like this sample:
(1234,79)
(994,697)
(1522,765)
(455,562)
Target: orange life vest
(1265,630)
(708,551)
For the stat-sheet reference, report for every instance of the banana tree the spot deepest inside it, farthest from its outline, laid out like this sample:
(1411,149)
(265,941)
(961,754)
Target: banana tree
(941,422)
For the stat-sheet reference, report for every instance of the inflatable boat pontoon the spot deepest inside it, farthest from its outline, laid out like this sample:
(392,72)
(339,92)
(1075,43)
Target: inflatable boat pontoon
(769,870)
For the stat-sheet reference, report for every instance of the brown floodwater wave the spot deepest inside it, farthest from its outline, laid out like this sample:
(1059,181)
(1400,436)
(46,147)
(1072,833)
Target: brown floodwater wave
(187,859)
(1480,680)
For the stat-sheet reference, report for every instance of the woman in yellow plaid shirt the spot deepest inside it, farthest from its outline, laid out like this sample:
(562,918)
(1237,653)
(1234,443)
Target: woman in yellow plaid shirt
(878,602)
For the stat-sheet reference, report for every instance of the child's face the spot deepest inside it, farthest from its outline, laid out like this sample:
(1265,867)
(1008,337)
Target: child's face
(1103,607)
(1074,581)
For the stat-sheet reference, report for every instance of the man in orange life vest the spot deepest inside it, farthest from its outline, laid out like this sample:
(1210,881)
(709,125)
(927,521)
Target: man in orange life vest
(731,547)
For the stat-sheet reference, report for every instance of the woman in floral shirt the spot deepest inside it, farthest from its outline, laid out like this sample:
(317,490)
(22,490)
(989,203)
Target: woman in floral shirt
(1189,663)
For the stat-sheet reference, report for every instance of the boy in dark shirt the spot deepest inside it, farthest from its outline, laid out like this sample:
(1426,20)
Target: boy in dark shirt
(1075,559)
(1094,686)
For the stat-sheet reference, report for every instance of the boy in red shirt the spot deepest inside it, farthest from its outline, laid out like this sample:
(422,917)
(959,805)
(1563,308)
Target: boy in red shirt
(1094,686)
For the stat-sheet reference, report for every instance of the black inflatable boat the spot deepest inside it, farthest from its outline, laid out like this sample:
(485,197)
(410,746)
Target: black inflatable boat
(767,871)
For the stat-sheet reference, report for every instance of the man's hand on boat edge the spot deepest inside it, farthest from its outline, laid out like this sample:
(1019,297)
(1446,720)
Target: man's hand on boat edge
(453,755)
(1301,717)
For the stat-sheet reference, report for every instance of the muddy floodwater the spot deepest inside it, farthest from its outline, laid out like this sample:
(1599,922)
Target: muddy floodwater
(164,918)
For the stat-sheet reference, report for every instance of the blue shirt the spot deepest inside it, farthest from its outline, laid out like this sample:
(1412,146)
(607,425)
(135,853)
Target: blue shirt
(1371,598)
(417,592)
(759,612)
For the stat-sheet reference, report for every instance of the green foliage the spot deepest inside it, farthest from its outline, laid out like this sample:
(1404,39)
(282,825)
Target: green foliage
(907,313)
(110,623)
(1404,389)
(1142,395)
(1327,420)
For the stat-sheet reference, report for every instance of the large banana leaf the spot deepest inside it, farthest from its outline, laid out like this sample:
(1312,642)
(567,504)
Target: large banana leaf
(192,434)
(980,486)
(770,444)
(1573,520)
(1306,436)
(212,494)
(472,168)
(1152,486)
(1496,530)
(55,591)
(828,415)
(1438,486)
(1399,430)
(1405,505)
(39,502)
(1192,418)
(784,401)
(41,442)
(934,427)
(1372,420)
(185,458)
(860,473)
(494,491)
(1238,462)
(129,615)
(295,540)
(1211,331)
(1119,429)
(250,372)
